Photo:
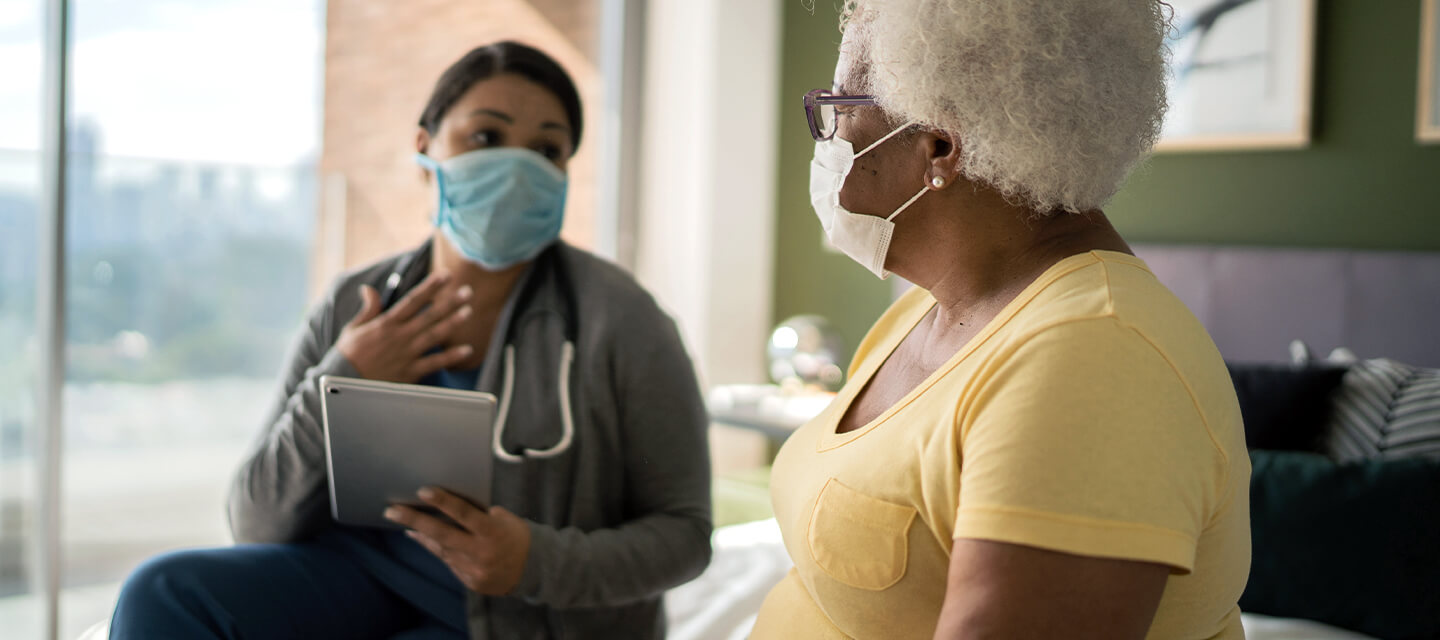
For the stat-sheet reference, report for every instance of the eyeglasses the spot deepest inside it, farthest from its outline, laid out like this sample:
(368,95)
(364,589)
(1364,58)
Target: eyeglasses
(820,111)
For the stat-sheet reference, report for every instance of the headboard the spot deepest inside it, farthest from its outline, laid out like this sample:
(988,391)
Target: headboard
(1254,301)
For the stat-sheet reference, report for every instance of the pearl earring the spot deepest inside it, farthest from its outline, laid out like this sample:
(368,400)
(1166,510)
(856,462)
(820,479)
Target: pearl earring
(937,182)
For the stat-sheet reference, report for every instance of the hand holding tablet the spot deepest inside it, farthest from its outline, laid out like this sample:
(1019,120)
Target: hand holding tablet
(385,441)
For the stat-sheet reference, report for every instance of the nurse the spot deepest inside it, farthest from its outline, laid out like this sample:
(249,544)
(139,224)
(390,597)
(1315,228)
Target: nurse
(601,487)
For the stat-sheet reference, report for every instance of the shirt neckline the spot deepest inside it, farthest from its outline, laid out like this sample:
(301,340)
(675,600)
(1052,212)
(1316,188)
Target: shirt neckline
(829,439)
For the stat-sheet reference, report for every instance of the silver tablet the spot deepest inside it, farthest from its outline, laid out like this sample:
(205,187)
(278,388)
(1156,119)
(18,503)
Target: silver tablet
(384,441)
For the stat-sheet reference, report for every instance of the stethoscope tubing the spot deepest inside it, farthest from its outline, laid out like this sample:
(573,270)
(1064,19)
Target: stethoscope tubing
(391,293)
(567,420)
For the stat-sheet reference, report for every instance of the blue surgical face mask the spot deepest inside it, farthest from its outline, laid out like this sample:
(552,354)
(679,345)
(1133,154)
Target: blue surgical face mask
(500,206)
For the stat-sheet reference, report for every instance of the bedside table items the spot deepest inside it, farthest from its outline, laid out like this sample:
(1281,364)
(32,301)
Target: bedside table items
(805,364)
(805,351)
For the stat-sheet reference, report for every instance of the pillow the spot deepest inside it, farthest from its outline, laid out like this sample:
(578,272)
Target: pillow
(1351,545)
(1284,407)
(1300,354)
(1385,409)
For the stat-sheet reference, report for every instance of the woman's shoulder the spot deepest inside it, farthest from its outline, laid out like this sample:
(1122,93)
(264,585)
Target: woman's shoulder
(615,310)
(1093,285)
(373,274)
(601,286)
(342,296)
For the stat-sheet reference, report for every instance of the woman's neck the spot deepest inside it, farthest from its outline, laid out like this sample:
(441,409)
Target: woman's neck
(490,289)
(979,254)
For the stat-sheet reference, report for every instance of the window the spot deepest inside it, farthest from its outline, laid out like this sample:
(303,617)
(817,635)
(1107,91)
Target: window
(191,198)
(190,204)
(20,92)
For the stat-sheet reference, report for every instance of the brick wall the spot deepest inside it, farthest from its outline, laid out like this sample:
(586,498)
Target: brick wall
(382,58)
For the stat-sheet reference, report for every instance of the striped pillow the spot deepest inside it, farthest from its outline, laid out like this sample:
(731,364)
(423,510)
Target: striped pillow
(1385,409)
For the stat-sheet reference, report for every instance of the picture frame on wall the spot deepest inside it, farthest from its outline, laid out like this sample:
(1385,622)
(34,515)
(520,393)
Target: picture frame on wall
(1427,111)
(1241,75)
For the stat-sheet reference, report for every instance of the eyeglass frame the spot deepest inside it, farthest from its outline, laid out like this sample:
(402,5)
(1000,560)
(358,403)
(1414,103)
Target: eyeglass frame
(824,97)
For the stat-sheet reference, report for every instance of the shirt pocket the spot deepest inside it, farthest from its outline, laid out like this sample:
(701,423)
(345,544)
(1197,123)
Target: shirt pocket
(859,540)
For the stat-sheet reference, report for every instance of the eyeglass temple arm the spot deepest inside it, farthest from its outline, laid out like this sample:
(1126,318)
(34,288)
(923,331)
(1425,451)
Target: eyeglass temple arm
(845,100)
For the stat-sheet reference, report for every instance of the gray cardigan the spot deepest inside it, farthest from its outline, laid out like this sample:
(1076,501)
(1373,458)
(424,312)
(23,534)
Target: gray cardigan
(614,522)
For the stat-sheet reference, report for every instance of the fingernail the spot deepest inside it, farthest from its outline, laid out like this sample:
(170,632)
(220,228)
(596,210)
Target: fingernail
(465,292)
(466,349)
(426,493)
(391,513)
(412,534)
(465,311)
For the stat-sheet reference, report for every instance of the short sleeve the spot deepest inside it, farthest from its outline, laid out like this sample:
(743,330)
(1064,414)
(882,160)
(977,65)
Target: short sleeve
(1085,439)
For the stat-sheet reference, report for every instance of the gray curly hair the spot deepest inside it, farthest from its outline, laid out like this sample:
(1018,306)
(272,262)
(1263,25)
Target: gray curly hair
(1053,101)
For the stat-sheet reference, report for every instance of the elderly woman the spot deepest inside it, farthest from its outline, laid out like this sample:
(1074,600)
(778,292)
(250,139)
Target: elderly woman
(1039,440)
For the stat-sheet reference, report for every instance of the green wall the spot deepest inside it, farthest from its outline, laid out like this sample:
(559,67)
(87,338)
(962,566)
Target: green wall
(808,278)
(1362,183)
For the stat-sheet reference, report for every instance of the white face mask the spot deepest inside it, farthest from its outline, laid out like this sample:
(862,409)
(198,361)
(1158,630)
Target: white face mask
(866,239)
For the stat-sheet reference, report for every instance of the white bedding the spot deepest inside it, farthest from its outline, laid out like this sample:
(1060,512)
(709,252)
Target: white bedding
(749,559)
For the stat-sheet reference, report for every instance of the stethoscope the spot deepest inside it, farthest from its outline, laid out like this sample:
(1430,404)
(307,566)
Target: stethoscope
(546,260)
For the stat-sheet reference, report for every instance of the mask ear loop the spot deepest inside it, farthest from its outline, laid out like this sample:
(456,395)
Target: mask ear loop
(908,203)
(887,136)
(434,167)
(881,141)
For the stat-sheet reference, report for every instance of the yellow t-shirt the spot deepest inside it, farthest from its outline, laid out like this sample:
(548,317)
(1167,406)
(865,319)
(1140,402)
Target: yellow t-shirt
(1092,416)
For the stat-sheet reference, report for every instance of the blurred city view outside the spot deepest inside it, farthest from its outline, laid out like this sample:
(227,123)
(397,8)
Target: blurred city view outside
(175,269)
(185,283)
(191,203)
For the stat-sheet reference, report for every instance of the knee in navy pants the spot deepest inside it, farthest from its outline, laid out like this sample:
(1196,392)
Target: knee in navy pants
(257,591)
